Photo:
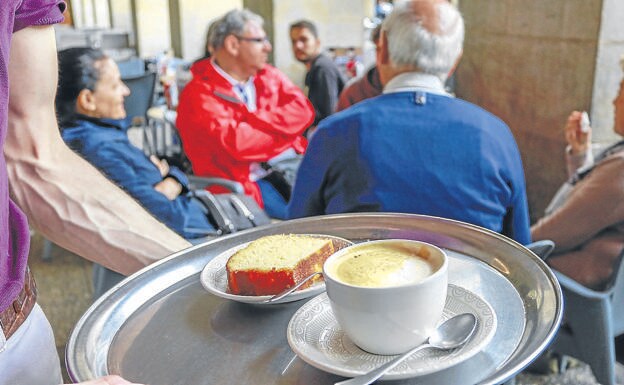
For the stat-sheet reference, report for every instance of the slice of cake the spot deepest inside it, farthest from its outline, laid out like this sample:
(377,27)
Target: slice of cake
(274,263)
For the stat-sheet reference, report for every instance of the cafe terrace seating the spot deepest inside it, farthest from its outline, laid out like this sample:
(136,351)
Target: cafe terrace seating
(141,96)
(592,320)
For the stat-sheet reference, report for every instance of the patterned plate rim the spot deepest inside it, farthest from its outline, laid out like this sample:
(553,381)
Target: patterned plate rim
(307,343)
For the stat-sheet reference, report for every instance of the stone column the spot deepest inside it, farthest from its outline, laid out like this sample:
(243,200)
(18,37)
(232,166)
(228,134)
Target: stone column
(531,62)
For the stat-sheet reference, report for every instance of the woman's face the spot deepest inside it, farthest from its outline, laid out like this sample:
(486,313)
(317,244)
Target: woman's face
(618,103)
(109,92)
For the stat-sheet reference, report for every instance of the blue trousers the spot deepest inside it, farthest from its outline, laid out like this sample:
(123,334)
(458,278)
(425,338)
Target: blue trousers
(274,204)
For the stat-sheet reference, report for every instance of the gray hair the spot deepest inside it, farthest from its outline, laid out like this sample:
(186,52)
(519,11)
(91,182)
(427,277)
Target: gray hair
(412,45)
(232,23)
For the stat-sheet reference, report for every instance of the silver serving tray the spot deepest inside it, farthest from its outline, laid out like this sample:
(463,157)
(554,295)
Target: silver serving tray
(161,327)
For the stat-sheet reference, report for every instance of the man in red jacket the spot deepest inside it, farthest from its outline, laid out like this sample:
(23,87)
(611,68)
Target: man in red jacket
(239,111)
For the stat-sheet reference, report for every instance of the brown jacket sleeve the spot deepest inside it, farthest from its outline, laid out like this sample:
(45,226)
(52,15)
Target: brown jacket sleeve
(594,206)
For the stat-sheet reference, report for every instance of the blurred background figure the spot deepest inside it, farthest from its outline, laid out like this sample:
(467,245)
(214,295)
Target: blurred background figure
(238,112)
(416,148)
(90,105)
(383,9)
(323,81)
(367,86)
(354,66)
(586,217)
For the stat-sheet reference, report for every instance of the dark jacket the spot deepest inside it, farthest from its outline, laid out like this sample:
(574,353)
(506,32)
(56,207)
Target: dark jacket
(324,82)
(104,143)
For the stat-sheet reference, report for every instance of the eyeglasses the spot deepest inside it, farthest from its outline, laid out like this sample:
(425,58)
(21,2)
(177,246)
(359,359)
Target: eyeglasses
(261,40)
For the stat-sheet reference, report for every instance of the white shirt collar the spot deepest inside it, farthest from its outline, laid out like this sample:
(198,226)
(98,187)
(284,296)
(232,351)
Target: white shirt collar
(416,81)
(228,77)
(247,87)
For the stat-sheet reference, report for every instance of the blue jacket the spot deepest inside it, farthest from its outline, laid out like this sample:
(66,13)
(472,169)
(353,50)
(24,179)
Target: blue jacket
(104,143)
(433,155)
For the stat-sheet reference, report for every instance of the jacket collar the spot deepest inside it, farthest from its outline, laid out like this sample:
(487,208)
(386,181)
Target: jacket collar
(118,124)
(206,71)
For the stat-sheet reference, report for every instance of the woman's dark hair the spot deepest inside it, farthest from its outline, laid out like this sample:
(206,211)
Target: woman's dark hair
(77,71)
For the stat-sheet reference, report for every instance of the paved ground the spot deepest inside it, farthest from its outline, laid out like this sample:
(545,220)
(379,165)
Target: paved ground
(65,293)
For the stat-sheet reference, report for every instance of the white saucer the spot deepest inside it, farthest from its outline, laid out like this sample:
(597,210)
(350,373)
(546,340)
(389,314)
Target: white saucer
(315,336)
(214,279)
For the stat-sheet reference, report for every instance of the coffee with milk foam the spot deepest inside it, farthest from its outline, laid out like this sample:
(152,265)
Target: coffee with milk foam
(382,266)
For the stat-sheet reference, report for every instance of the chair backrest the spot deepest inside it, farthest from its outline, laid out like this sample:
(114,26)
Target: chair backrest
(592,320)
(141,96)
(160,138)
(618,298)
(131,67)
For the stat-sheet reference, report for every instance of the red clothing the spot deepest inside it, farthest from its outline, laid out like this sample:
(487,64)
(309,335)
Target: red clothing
(368,86)
(222,138)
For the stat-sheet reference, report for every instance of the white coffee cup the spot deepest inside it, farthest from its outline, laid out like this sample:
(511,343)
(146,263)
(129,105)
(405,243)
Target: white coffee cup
(385,299)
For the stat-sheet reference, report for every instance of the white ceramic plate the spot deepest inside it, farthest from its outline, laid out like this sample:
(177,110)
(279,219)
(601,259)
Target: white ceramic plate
(214,279)
(315,336)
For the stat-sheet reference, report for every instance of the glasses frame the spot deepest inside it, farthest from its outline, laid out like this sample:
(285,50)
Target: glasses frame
(261,40)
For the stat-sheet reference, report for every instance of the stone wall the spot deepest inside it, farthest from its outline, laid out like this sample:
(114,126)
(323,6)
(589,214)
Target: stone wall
(531,62)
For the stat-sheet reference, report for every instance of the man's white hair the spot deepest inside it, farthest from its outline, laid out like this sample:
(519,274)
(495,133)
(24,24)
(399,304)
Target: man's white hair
(412,45)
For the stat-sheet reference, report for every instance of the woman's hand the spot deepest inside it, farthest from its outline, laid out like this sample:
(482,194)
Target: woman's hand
(169,187)
(162,165)
(108,380)
(578,140)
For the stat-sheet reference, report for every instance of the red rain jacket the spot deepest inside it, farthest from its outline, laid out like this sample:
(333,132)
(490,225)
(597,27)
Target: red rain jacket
(222,138)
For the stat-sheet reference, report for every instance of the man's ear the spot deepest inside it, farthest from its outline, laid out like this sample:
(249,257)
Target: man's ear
(231,45)
(85,102)
(383,59)
(455,65)
(383,56)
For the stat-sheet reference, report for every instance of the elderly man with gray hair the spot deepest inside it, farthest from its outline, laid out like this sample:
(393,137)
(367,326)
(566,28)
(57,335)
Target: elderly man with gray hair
(239,111)
(416,148)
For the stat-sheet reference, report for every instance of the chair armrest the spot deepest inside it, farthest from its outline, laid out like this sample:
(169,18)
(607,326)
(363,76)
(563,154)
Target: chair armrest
(542,248)
(200,182)
(575,287)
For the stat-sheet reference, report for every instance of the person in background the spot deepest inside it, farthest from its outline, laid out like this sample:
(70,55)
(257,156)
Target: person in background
(90,106)
(238,111)
(64,197)
(354,66)
(324,81)
(416,149)
(383,8)
(365,87)
(586,217)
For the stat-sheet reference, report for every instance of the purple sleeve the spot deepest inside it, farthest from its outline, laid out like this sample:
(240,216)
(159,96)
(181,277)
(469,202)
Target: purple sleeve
(38,12)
